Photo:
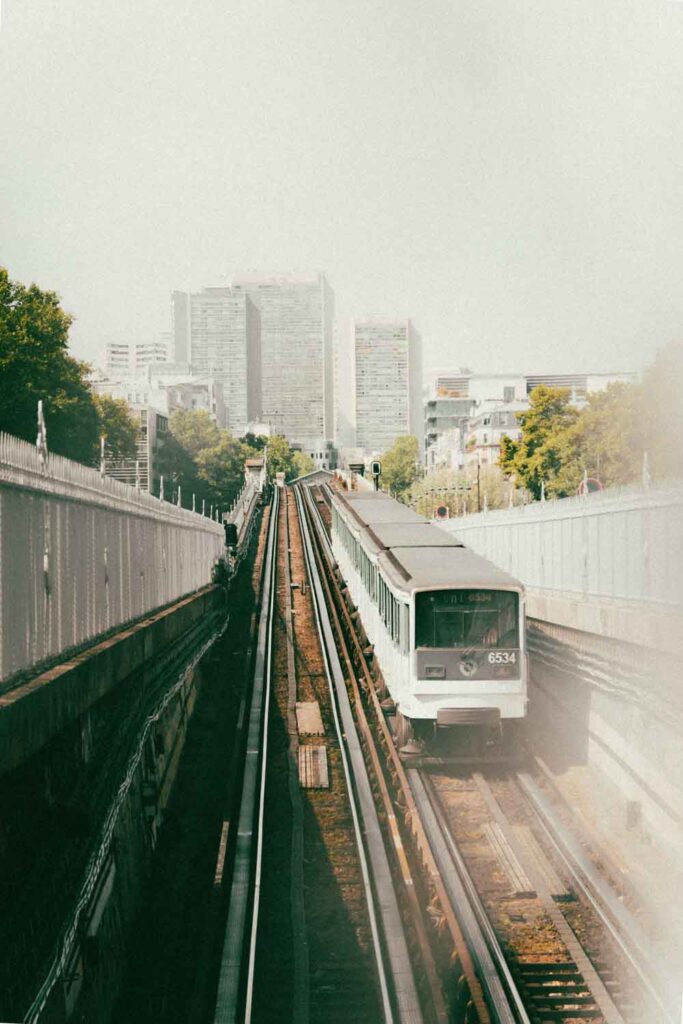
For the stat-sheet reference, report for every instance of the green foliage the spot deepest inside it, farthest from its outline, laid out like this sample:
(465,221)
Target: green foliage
(400,465)
(194,430)
(203,460)
(301,464)
(222,468)
(544,446)
(35,364)
(179,469)
(458,491)
(118,427)
(607,439)
(278,457)
(256,441)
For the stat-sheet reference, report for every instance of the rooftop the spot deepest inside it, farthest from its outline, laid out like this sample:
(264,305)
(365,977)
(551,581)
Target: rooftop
(414,568)
(381,537)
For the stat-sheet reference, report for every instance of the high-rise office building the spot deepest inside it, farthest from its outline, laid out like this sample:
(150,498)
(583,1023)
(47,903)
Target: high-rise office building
(117,359)
(297,371)
(150,353)
(217,331)
(388,382)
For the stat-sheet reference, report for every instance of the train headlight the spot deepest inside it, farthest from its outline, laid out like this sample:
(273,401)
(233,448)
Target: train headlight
(467,668)
(435,672)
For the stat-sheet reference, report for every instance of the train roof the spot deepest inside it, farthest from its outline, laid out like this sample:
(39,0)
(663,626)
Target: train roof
(372,512)
(414,568)
(363,495)
(412,553)
(381,536)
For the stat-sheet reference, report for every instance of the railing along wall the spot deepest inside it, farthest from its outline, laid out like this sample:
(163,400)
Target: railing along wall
(81,554)
(241,512)
(625,545)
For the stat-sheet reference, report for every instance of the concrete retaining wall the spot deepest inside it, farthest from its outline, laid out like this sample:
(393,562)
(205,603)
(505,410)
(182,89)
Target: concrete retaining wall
(31,714)
(88,756)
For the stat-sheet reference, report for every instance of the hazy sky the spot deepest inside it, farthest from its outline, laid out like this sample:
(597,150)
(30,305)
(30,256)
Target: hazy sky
(507,172)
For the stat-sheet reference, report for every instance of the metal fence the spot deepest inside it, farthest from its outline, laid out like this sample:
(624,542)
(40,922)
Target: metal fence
(81,554)
(619,544)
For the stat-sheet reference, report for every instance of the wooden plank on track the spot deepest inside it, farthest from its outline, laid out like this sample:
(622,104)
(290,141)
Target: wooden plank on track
(313,767)
(308,718)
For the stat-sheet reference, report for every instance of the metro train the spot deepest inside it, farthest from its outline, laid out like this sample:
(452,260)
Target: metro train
(446,625)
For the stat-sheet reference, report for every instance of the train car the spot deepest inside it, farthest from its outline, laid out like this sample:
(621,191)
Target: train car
(447,626)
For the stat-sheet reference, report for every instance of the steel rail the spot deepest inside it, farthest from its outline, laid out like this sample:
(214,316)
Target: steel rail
(249,844)
(615,918)
(402,1003)
(431,981)
(501,993)
(320,527)
(414,824)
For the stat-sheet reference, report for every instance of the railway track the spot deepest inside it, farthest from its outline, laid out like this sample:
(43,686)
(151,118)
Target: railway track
(247,968)
(536,933)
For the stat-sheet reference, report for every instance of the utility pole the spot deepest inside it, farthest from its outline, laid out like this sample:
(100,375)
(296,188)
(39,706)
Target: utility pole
(478,482)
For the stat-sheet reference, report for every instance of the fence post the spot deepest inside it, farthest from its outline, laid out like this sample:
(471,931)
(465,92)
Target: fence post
(41,439)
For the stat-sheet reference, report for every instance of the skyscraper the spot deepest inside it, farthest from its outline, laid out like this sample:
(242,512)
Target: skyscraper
(297,372)
(216,330)
(388,382)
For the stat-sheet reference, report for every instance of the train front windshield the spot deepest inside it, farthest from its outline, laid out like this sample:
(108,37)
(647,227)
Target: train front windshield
(467,618)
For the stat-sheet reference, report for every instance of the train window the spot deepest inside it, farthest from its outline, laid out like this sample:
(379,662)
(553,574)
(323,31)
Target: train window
(467,618)
(405,628)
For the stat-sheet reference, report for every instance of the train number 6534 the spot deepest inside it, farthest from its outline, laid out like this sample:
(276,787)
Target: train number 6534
(502,658)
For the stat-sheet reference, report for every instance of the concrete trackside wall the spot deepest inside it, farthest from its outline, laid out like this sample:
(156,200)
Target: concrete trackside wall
(88,758)
(610,563)
(33,713)
(616,707)
(604,585)
(82,554)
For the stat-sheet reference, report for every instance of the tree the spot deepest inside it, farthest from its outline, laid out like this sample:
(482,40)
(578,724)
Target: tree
(301,464)
(606,440)
(457,490)
(35,364)
(255,441)
(278,457)
(543,449)
(222,468)
(179,469)
(118,427)
(194,430)
(400,466)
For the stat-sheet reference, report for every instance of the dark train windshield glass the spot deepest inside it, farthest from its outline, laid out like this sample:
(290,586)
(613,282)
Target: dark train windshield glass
(467,618)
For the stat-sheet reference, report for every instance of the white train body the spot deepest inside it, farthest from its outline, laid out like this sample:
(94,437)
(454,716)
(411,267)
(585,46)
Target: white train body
(447,626)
